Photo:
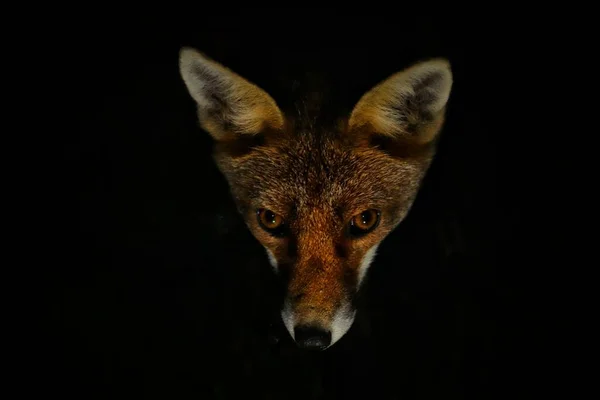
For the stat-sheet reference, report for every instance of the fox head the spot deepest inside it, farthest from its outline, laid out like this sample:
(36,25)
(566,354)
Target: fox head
(321,199)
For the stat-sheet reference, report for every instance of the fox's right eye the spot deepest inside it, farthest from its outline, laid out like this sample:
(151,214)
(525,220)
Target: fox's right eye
(271,222)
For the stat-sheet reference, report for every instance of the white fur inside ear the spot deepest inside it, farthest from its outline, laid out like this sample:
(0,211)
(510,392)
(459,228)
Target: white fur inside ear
(226,101)
(201,75)
(417,94)
(430,79)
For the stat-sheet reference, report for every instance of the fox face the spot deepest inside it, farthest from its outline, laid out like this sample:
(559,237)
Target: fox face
(321,198)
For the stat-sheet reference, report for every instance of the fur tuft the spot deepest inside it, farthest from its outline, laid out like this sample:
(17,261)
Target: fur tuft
(408,105)
(228,105)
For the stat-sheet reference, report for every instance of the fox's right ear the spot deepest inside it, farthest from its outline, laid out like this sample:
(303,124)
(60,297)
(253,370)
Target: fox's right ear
(228,105)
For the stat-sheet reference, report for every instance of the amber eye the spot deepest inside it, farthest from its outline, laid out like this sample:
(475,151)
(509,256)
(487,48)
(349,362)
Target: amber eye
(271,222)
(364,222)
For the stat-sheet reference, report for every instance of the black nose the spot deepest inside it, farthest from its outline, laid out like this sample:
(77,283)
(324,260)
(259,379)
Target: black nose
(312,338)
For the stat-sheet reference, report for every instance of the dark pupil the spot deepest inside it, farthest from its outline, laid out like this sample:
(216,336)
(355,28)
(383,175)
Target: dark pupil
(366,218)
(270,217)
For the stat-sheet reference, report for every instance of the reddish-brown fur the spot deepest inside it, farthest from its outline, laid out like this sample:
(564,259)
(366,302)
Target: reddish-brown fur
(318,177)
(317,183)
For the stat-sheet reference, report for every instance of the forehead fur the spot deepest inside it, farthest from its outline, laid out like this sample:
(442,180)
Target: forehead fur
(315,153)
(306,169)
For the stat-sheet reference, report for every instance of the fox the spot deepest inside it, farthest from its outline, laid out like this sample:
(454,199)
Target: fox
(321,198)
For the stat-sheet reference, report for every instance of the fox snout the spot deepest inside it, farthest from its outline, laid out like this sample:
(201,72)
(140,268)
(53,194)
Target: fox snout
(318,310)
(314,325)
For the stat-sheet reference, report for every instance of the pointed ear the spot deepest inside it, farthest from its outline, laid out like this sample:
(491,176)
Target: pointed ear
(406,108)
(228,105)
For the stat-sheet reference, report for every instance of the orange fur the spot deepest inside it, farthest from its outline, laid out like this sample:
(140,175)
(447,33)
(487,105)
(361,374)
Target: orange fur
(316,179)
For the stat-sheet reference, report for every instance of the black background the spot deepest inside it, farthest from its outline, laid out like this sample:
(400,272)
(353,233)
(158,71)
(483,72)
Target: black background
(162,292)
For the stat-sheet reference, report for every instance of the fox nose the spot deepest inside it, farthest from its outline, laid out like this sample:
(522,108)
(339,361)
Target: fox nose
(312,338)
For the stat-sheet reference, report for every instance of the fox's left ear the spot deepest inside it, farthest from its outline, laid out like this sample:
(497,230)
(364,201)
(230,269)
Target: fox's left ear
(409,106)
(229,106)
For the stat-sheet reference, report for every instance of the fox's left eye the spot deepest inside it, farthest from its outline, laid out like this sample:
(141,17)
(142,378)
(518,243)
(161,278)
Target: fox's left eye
(271,222)
(364,222)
